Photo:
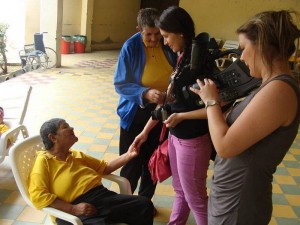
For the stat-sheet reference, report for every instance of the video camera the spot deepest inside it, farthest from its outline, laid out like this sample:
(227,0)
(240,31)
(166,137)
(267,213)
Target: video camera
(233,82)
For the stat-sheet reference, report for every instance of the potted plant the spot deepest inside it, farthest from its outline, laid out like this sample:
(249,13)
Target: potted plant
(3,59)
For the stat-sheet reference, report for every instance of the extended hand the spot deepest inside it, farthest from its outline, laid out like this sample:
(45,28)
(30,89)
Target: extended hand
(139,140)
(133,151)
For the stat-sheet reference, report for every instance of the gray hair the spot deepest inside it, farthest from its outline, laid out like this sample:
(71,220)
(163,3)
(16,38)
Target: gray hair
(147,17)
(49,127)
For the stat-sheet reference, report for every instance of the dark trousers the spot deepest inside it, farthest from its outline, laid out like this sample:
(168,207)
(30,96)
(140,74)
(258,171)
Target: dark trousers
(115,208)
(137,168)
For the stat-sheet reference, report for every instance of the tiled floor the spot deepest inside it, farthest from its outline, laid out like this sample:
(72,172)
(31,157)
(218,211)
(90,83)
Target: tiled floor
(82,92)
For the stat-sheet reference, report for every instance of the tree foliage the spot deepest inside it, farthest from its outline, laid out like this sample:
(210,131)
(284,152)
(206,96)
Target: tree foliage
(3,58)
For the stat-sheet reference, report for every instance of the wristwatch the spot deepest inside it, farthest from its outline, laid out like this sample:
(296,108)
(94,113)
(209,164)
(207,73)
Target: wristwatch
(211,102)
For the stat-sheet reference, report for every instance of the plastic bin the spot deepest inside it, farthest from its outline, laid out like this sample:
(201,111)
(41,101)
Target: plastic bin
(79,43)
(65,44)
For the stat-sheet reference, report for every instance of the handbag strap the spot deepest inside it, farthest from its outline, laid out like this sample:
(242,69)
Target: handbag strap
(164,128)
(162,133)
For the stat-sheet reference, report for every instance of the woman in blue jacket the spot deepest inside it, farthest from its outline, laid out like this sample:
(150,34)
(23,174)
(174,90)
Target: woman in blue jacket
(141,79)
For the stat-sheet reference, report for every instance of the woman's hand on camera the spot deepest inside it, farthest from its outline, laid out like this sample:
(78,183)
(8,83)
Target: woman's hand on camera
(173,120)
(207,90)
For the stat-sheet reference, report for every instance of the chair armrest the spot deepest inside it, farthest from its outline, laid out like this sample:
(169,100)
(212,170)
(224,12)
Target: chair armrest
(13,130)
(10,132)
(123,183)
(63,215)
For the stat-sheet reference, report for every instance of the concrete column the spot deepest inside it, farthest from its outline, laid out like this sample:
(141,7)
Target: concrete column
(86,21)
(51,15)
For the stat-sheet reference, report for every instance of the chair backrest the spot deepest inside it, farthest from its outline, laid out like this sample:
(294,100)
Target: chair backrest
(29,48)
(39,42)
(22,157)
(14,100)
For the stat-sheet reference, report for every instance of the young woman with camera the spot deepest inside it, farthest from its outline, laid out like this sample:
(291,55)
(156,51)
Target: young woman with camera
(189,142)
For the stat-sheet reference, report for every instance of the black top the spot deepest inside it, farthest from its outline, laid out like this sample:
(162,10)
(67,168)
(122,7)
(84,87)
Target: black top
(182,78)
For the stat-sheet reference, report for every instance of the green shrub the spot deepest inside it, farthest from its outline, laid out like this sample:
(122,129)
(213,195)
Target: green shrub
(3,59)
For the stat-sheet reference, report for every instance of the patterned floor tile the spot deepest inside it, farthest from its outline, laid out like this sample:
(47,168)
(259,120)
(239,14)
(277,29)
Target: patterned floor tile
(82,92)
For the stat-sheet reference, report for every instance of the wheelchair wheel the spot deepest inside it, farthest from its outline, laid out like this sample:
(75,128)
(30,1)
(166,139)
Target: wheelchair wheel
(38,60)
(51,57)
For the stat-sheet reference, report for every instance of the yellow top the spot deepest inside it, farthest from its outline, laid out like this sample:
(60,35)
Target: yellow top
(51,178)
(4,128)
(157,69)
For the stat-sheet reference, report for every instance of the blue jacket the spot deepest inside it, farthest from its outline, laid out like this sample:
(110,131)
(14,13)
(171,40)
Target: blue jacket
(128,76)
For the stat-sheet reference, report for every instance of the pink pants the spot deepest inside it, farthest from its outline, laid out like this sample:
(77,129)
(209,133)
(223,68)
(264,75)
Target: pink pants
(189,159)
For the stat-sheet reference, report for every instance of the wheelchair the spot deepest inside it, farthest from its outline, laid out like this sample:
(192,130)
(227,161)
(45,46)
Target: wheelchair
(36,56)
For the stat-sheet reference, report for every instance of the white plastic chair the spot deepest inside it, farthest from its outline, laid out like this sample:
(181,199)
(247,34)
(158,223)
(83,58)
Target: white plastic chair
(14,100)
(22,157)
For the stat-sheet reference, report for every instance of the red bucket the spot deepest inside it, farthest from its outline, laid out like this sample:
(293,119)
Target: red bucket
(79,47)
(65,47)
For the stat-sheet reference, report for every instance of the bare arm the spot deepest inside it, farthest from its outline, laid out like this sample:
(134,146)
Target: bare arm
(121,160)
(272,107)
(143,136)
(176,118)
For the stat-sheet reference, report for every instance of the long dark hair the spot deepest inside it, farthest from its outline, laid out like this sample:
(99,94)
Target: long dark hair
(176,20)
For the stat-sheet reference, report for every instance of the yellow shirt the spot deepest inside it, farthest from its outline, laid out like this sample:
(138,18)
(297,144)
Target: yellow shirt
(157,69)
(4,128)
(51,178)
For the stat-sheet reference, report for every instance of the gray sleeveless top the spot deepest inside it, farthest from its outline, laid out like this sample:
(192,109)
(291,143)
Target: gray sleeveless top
(243,183)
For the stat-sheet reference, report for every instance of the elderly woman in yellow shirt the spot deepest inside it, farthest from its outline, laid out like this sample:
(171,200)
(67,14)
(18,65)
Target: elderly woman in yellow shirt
(70,181)
(4,127)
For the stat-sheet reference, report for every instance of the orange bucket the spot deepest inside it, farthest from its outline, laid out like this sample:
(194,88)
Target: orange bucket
(65,46)
(79,47)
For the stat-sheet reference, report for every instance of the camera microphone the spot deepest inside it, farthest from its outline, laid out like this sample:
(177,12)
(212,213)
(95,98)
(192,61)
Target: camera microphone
(199,52)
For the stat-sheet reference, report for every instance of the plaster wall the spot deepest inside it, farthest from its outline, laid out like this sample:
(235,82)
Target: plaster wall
(109,23)
(114,21)
(71,17)
(32,20)
(221,18)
